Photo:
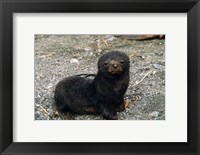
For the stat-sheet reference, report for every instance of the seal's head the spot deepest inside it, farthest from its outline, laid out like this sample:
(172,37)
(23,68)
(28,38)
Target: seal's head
(113,63)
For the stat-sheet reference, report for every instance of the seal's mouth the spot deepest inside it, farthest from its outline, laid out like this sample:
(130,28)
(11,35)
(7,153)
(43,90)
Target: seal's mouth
(115,70)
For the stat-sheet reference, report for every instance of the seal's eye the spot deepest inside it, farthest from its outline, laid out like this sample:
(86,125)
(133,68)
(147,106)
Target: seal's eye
(122,61)
(105,63)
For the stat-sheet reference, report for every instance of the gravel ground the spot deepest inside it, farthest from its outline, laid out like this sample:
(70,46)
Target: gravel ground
(59,56)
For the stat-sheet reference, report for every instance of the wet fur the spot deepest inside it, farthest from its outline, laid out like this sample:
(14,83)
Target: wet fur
(102,95)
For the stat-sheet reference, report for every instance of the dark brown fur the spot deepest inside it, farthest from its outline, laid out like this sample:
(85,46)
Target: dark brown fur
(102,95)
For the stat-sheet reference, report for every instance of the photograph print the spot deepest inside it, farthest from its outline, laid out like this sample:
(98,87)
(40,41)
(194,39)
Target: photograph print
(99,77)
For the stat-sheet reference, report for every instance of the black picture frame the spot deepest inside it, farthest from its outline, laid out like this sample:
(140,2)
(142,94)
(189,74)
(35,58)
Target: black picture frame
(8,7)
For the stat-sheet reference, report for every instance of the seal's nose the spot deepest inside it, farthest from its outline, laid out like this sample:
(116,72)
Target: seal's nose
(115,65)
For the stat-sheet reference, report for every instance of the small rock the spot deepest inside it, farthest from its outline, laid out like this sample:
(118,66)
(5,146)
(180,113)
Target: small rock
(154,114)
(154,72)
(87,49)
(157,66)
(49,86)
(111,38)
(99,50)
(74,61)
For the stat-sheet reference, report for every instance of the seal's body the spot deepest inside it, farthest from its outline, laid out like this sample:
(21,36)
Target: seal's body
(102,95)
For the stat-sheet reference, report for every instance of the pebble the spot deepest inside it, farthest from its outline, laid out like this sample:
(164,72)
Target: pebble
(154,114)
(49,86)
(74,61)
(157,66)
(111,38)
(154,72)
(87,49)
(37,105)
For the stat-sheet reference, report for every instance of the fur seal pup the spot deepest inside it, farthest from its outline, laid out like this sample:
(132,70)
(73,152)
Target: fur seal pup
(102,95)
